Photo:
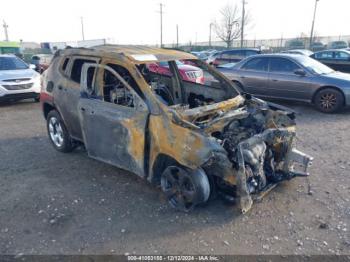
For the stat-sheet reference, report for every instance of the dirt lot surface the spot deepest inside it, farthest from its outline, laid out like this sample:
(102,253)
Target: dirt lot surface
(55,203)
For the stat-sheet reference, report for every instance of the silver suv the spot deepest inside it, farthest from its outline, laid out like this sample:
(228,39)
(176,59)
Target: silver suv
(17,79)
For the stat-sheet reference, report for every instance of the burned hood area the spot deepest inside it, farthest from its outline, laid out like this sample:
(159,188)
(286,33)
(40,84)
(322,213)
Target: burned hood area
(259,142)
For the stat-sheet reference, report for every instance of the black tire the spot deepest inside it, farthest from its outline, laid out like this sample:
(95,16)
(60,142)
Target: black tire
(329,100)
(184,188)
(62,142)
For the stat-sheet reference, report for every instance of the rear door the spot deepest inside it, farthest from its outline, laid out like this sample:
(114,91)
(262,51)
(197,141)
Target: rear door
(253,75)
(113,119)
(284,83)
(67,91)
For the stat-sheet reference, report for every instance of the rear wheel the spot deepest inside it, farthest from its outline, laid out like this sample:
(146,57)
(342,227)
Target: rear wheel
(185,189)
(329,100)
(58,133)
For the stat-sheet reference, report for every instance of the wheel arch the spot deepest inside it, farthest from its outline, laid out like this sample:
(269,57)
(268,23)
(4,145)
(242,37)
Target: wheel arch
(326,87)
(160,164)
(47,107)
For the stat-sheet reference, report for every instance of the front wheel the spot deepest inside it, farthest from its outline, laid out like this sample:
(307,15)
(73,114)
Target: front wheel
(184,188)
(329,100)
(58,133)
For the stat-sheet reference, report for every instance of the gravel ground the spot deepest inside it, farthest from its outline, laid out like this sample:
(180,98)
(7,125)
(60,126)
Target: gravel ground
(54,203)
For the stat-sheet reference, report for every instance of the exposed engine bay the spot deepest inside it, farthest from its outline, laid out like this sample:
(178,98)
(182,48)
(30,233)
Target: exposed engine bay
(259,141)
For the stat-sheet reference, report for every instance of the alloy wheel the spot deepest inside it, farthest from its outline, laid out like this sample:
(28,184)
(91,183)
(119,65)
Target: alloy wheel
(56,132)
(328,101)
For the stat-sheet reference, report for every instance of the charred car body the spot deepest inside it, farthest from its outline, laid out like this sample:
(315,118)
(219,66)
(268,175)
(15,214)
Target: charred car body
(192,139)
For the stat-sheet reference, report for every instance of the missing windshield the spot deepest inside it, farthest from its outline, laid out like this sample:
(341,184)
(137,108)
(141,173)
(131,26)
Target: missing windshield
(188,83)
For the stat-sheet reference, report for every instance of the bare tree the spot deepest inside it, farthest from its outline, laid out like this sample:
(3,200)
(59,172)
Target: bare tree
(229,28)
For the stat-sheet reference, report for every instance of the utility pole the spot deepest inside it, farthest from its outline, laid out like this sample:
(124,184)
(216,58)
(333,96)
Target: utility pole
(210,25)
(177,36)
(5,30)
(82,27)
(243,21)
(313,23)
(161,25)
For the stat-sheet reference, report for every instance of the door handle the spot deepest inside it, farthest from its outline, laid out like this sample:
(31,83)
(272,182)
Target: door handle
(242,77)
(274,80)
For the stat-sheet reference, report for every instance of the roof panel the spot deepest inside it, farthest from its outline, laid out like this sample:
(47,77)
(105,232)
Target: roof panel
(143,54)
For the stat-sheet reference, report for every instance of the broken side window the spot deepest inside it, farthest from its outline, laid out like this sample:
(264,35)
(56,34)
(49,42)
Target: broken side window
(76,70)
(114,90)
(202,86)
(161,80)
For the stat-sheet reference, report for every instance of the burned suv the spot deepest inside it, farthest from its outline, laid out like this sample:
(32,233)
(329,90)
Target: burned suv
(195,139)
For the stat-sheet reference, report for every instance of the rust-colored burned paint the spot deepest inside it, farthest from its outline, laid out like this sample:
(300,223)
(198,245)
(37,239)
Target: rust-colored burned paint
(192,114)
(136,139)
(167,138)
(160,54)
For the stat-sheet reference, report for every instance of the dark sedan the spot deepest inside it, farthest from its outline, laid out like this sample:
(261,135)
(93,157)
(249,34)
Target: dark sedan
(337,59)
(292,77)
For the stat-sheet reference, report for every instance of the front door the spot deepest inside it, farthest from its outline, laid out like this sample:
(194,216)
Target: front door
(113,120)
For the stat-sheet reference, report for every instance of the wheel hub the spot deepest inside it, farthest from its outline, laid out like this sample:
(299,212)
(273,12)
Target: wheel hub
(56,132)
(328,100)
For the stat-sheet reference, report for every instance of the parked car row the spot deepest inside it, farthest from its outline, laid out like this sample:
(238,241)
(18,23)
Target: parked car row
(316,46)
(290,75)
